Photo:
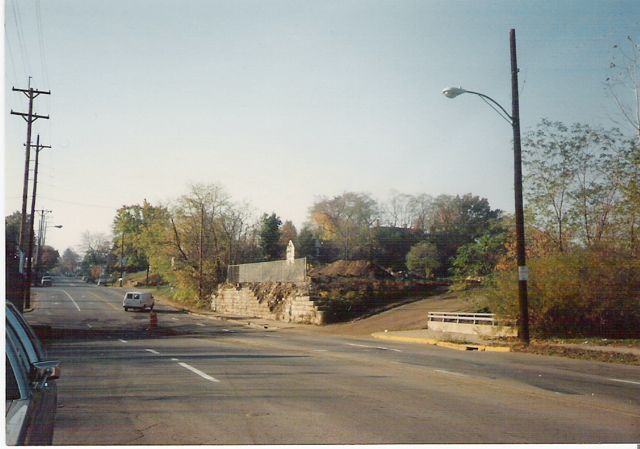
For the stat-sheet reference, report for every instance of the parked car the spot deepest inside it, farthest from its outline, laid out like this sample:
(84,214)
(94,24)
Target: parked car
(138,300)
(47,281)
(31,391)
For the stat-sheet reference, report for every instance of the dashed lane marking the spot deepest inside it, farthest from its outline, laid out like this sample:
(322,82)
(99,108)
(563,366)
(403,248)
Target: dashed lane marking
(444,371)
(200,324)
(198,372)
(122,341)
(152,351)
(625,381)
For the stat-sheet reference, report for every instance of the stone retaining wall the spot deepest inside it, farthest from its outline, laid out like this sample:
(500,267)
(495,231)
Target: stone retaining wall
(288,302)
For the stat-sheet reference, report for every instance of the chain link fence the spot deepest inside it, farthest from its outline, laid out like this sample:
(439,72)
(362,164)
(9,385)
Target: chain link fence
(276,271)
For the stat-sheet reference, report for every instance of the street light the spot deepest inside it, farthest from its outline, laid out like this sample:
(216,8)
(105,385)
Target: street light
(514,120)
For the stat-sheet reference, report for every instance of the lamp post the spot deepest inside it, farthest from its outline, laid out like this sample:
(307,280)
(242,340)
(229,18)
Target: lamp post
(514,120)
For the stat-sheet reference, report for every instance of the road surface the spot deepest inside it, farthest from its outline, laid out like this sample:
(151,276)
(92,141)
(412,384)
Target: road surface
(198,380)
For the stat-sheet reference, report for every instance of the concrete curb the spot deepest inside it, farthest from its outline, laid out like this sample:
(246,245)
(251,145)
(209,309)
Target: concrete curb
(444,344)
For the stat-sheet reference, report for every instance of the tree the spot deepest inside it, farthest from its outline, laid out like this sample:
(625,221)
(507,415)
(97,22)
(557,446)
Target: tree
(270,234)
(127,233)
(573,179)
(49,258)
(12,229)
(422,259)
(479,258)
(456,221)
(391,245)
(346,221)
(70,260)
(307,243)
(624,82)
(97,253)
(288,232)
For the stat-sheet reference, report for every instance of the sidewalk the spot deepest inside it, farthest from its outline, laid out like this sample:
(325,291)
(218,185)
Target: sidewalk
(461,342)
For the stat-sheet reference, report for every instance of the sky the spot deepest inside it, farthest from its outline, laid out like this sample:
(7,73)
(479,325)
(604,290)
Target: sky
(283,102)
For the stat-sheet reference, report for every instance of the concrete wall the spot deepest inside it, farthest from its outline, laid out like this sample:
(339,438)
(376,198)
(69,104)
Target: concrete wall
(483,330)
(284,302)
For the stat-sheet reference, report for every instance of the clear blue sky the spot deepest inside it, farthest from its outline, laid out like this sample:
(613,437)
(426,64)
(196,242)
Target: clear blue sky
(283,101)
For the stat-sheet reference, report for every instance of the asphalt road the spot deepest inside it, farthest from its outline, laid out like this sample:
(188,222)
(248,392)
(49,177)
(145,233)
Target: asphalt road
(198,380)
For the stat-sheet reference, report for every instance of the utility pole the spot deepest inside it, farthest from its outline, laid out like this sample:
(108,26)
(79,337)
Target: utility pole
(29,117)
(41,231)
(27,291)
(523,272)
(200,292)
(122,259)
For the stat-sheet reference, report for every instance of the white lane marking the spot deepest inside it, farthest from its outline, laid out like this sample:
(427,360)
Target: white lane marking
(450,372)
(72,300)
(374,347)
(152,351)
(198,372)
(89,326)
(625,381)
(122,341)
(227,330)
(175,360)
(200,324)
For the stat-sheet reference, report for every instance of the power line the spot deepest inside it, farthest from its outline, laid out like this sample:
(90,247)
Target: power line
(21,42)
(43,53)
(11,59)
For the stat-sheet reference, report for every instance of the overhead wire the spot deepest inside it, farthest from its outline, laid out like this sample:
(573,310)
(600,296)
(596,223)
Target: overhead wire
(9,51)
(43,53)
(21,41)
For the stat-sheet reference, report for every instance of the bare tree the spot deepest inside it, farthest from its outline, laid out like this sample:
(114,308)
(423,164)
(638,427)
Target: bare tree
(624,83)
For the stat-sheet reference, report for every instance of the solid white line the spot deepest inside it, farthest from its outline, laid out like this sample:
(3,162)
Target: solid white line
(74,303)
(152,351)
(122,341)
(625,381)
(198,372)
(450,372)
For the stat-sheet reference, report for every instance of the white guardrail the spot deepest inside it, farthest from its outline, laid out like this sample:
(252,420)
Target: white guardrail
(463,318)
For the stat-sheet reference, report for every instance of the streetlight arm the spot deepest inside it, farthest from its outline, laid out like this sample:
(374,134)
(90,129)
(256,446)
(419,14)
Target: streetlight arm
(487,97)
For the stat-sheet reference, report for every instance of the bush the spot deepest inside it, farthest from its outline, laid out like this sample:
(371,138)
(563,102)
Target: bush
(594,292)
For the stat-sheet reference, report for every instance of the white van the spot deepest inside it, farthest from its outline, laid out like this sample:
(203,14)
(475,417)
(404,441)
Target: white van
(137,300)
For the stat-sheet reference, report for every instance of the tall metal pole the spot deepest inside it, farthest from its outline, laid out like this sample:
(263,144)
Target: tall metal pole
(523,274)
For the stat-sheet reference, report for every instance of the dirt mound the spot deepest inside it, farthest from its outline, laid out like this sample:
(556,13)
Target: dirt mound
(351,268)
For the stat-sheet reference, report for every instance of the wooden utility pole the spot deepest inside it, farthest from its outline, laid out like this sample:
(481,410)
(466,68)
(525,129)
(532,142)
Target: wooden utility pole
(523,272)
(29,117)
(27,291)
(200,289)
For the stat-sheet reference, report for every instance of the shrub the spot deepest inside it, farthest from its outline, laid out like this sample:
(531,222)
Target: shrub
(594,292)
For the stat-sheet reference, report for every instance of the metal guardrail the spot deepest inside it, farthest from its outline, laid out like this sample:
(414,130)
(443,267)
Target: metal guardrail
(463,318)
